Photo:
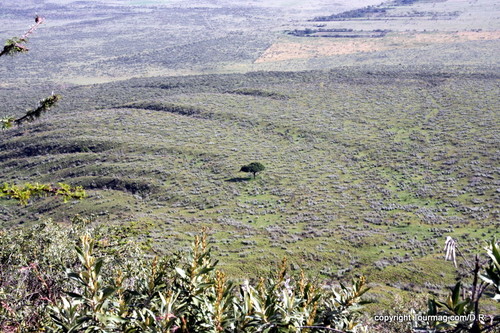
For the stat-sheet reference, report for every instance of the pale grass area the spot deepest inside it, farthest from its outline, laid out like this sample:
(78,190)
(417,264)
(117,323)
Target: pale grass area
(306,48)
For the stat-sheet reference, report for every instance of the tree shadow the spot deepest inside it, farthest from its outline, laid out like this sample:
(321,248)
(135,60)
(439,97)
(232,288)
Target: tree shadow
(238,179)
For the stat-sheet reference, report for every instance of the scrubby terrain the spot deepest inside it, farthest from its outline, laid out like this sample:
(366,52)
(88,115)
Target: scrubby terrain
(378,128)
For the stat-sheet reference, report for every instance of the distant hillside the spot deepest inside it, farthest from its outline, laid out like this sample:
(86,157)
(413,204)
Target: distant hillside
(88,42)
(379,133)
(383,163)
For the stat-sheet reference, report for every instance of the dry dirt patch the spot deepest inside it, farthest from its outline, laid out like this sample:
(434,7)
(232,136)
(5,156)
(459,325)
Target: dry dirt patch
(323,47)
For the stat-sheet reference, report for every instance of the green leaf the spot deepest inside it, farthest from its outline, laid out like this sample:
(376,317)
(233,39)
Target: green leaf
(460,307)
(76,277)
(181,272)
(495,251)
(486,278)
(98,266)
(205,285)
(74,295)
(110,318)
(108,291)
(205,270)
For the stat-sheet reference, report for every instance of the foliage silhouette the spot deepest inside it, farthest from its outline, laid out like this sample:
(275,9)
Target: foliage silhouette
(253,168)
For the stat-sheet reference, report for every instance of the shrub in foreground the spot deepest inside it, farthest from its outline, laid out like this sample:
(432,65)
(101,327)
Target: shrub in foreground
(80,278)
(107,285)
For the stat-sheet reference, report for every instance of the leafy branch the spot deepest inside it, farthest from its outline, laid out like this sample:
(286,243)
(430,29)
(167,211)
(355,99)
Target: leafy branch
(187,294)
(31,115)
(16,45)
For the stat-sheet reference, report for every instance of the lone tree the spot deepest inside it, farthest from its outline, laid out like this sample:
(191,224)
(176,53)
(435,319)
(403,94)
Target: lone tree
(253,167)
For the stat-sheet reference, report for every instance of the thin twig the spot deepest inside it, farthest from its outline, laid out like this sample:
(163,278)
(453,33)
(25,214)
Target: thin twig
(463,257)
(39,20)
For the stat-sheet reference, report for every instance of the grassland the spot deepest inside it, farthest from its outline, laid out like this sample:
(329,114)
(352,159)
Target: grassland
(373,155)
(366,172)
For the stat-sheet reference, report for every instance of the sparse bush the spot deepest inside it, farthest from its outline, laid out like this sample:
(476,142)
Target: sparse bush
(24,193)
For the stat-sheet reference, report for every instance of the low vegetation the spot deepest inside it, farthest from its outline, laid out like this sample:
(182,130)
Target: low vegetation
(367,172)
(96,287)
(24,193)
(108,283)
(372,159)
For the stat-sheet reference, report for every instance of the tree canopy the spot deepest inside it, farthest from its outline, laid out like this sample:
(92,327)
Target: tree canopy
(253,168)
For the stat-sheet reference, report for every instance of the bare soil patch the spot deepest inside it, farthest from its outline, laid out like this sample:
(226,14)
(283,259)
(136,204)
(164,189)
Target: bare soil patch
(311,47)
